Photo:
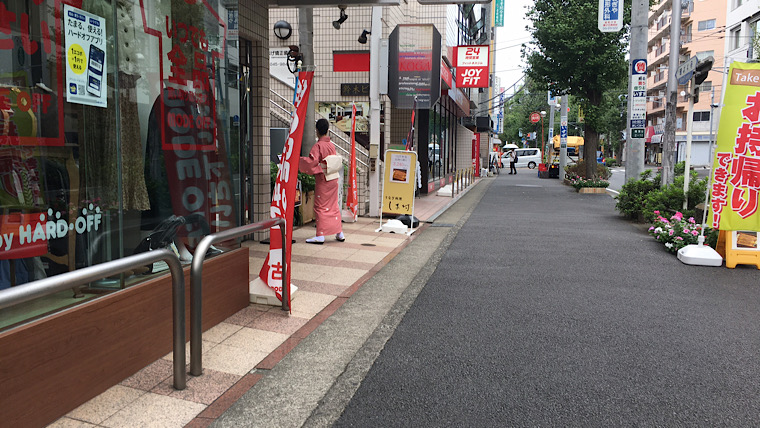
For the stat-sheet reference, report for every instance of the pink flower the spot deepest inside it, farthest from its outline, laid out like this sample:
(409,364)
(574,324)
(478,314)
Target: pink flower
(670,232)
(677,216)
(686,231)
(691,219)
(694,232)
(657,212)
(651,228)
(678,238)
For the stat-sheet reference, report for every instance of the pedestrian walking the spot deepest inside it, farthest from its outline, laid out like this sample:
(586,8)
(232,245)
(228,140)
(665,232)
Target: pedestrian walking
(512,162)
(324,164)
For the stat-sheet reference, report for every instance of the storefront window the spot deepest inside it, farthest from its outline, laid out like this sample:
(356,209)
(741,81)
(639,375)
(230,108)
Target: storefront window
(116,136)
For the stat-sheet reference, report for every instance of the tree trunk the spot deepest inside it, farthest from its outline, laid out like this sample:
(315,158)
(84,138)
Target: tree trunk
(590,145)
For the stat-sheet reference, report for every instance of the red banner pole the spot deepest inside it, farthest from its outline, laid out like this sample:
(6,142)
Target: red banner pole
(352,199)
(285,192)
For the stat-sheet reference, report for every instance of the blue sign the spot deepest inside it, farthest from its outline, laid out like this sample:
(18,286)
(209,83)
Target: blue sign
(610,12)
(638,123)
(563,132)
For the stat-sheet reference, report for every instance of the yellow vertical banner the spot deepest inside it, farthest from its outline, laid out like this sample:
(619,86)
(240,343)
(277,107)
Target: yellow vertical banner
(736,166)
(399,182)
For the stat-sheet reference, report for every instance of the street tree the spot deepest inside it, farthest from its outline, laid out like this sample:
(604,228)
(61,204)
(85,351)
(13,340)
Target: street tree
(571,56)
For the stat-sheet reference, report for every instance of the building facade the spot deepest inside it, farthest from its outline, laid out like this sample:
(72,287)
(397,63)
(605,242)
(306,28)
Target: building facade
(702,31)
(442,132)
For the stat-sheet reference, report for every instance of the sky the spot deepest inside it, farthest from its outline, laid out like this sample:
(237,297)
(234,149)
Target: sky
(509,38)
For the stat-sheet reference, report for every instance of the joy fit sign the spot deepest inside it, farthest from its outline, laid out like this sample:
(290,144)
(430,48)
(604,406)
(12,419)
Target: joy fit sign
(472,63)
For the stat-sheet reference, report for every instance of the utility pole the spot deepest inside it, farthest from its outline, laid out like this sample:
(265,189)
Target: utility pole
(306,41)
(374,106)
(669,136)
(549,141)
(634,158)
(563,137)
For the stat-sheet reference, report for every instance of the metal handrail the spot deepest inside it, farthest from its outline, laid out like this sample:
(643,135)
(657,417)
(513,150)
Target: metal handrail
(196,282)
(64,281)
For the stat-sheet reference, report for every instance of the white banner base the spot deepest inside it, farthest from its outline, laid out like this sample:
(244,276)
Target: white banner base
(261,294)
(395,226)
(347,216)
(445,190)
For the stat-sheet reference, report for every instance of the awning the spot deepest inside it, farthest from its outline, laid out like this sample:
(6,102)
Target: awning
(657,138)
(648,133)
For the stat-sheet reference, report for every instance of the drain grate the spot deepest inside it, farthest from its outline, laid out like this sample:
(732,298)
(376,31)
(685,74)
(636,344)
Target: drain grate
(369,245)
(442,225)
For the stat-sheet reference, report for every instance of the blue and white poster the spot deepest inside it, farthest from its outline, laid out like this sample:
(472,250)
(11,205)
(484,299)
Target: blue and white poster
(85,36)
(610,15)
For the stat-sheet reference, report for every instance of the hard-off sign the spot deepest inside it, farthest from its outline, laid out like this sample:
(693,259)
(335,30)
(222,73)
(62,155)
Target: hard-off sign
(472,66)
(610,15)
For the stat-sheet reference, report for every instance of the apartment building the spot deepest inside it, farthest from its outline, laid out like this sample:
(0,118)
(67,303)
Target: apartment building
(703,26)
(741,43)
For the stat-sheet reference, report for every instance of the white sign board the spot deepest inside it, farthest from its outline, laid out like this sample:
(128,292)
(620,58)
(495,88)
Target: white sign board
(278,66)
(610,15)
(85,36)
(639,97)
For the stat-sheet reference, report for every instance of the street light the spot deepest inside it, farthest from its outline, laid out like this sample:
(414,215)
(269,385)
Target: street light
(543,115)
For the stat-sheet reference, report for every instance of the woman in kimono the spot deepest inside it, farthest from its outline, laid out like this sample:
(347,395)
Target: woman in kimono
(323,163)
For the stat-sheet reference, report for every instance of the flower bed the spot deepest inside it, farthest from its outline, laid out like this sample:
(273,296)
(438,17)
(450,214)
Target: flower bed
(580,182)
(677,232)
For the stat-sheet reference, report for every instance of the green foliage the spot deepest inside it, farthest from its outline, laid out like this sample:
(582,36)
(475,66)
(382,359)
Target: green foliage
(632,197)
(564,32)
(578,169)
(641,199)
(669,198)
(308,182)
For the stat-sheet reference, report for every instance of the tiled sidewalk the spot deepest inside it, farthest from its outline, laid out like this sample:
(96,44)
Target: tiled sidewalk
(257,337)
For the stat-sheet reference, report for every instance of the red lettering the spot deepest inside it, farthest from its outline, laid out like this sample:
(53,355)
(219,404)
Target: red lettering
(752,112)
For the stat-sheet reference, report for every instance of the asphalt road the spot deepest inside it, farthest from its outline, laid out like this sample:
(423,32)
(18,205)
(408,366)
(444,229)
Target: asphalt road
(548,309)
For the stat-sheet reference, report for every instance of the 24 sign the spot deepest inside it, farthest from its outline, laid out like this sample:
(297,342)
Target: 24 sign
(472,62)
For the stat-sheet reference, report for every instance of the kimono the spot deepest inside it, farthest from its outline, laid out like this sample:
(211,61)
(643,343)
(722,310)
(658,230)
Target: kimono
(326,204)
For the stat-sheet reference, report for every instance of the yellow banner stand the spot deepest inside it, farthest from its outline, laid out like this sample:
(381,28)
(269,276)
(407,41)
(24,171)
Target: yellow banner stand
(734,191)
(738,247)
(399,182)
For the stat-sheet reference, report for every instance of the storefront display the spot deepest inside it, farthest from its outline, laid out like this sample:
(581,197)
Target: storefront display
(115,115)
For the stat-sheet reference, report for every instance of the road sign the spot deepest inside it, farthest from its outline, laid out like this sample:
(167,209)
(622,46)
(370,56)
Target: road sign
(535,117)
(610,15)
(637,133)
(686,70)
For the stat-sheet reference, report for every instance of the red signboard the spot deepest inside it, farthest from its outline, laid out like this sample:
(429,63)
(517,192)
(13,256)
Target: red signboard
(535,117)
(472,66)
(446,76)
(350,60)
(476,152)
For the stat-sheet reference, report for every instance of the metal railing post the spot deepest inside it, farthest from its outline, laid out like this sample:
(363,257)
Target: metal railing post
(196,282)
(43,287)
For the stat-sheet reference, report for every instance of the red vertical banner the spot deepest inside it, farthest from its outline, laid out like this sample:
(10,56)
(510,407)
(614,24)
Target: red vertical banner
(284,193)
(476,152)
(352,199)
